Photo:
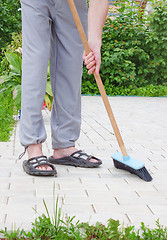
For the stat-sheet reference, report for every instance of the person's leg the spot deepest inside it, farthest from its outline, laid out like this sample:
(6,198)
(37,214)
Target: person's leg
(66,73)
(36,46)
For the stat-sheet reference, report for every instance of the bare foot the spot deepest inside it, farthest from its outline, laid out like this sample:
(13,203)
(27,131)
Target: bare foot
(35,150)
(64,152)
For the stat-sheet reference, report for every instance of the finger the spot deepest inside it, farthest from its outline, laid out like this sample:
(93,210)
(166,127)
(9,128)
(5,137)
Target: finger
(89,61)
(91,70)
(91,64)
(92,59)
(87,57)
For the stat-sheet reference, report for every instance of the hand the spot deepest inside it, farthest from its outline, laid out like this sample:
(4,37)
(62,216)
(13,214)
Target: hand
(93,59)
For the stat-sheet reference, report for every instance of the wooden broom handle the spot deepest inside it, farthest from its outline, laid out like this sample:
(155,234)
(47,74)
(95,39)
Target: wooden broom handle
(97,78)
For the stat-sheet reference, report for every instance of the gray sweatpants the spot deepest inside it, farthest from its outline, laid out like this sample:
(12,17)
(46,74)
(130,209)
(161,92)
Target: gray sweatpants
(49,31)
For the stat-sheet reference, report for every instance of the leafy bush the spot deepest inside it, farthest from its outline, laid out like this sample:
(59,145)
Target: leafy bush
(6,90)
(134,54)
(157,43)
(12,71)
(122,49)
(13,47)
(133,50)
(6,115)
(10,20)
(12,81)
(149,90)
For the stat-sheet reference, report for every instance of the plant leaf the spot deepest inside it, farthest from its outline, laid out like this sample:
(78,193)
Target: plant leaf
(17,98)
(48,102)
(15,62)
(49,89)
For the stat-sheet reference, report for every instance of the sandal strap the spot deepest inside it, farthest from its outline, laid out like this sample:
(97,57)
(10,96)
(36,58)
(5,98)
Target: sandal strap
(81,155)
(38,161)
(44,158)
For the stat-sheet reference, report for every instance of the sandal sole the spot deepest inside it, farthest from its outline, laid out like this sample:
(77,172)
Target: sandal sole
(39,173)
(53,161)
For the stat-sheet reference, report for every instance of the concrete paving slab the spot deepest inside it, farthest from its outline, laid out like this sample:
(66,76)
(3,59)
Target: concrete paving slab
(94,194)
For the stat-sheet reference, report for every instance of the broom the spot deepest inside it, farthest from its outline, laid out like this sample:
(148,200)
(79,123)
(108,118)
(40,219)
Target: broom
(121,160)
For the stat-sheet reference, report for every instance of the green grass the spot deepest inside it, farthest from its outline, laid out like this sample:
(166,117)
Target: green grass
(6,115)
(46,227)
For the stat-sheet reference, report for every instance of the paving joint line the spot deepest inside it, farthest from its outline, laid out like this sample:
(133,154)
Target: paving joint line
(5,217)
(155,188)
(87,193)
(128,218)
(93,208)
(126,180)
(150,209)
(137,194)
(9,186)
(87,136)
(95,131)
(150,171)
(99,175)
(7,200)
(116,199)
(149,159)
(112,133)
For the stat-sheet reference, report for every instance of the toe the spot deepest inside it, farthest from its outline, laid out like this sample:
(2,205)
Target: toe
(93,160)
(44,168)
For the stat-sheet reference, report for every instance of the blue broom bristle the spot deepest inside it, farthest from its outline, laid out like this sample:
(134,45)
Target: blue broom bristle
(142,172)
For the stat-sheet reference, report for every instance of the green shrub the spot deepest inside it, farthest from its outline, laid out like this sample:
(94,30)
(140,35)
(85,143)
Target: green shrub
(10,20)
(133,51)
(157,43)
(111,90)
(13,47)
(6,93)
(6,115)
(12,80)
(123,54)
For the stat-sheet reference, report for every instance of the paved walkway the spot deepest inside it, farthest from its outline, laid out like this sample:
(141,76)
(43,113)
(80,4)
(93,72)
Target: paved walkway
(95,194)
